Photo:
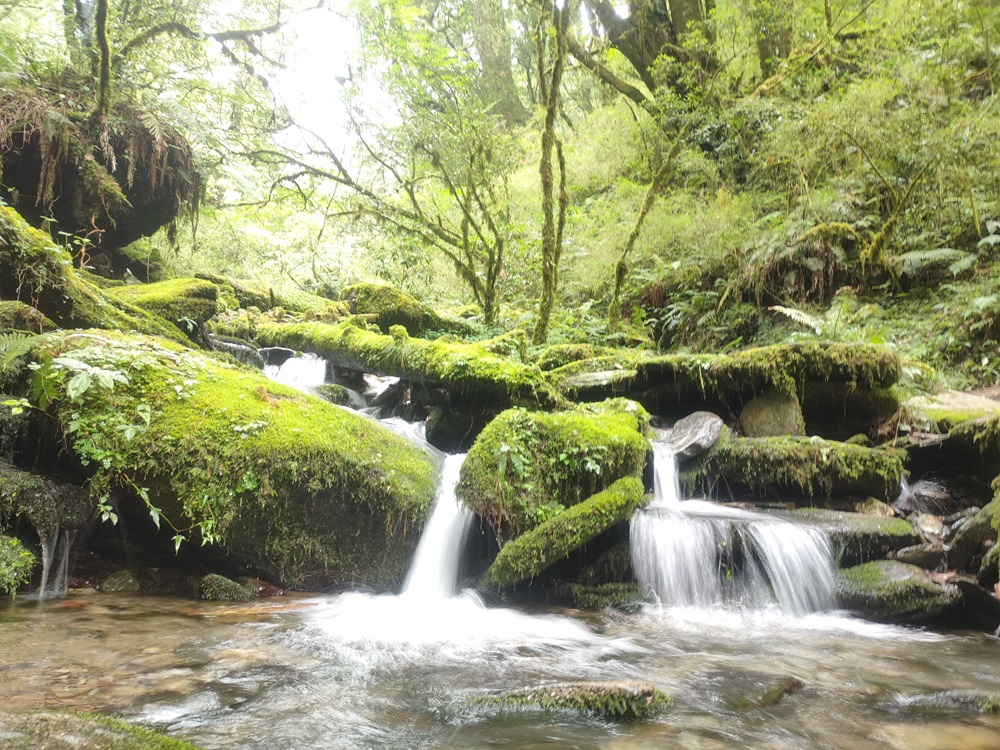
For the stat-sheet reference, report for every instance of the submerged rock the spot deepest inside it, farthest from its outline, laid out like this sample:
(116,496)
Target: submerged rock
(770,696)
(64,730)
(948,701)
(890,591)
(610,700)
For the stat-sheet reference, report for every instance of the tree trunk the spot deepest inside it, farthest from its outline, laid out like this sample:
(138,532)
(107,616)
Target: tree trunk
(492,42)
(772,20)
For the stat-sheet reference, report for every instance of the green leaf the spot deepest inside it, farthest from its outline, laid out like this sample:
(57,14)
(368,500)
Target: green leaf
(78,385)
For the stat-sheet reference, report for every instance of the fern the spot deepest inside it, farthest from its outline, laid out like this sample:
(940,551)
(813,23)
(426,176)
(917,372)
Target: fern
(916,261)
(801,317)
(14,346)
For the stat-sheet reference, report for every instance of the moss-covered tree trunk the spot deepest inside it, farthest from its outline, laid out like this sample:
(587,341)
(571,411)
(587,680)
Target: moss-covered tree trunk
(772,20)
(549,82)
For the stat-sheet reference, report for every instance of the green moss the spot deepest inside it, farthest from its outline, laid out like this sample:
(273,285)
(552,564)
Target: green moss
(37,272)
(559,355)
(530,553)
(610,700)
(184,302)
(47,505)
(390,306)
(216,588)
(772,414)
(145,261)
(467,370)
(16,564)
(263,297)
(64,730)
(794,468)
(892,591)
(622,596)
(525,467)
(334,393)
(281,476)
(18,316)
(859,538)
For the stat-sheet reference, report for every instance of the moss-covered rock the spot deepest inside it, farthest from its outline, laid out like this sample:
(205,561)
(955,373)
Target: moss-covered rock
(803,470)
(610,700)
(48,505)
(145,261)
(526,467)
(186,303)
(282,477)
(623,596)
(64,730)
(334,393)
(532,552)
(263,297)
(772,414)
(560,355)
(120,582)
(950,408)
(216,588)
(468,371)
(16,564)
(35,271)
(390,306)
(859,538)
(18,316)
(890,591)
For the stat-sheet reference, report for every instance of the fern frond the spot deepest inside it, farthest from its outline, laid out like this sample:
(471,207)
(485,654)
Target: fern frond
(801,317)
(918,260)
(13,346)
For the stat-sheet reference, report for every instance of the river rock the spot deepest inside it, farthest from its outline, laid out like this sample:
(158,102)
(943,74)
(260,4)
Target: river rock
(694,434)
(120,582)
(970,536)
(891,591)
(963,701)
(989,574)
(275,356)
(65,730)
(610,700)
(772,414)
(216,588)
(929,555)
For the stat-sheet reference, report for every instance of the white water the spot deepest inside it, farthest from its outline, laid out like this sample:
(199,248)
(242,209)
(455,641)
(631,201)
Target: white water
(302,373)
(434,571)
(698,554)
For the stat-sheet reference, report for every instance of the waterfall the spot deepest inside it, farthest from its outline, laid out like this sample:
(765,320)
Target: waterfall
(697,553)
(302,373)
(434,571)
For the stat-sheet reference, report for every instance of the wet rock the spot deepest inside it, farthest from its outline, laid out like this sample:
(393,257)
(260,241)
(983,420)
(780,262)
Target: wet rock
(625,597)
(930,527)
(238,350)
(334,393)
(120,582)
(929,555)
(216,588)
(980,608)
(891,591)
(963,701)
(58,730)
(275,356)
(772,414)
(610,700)
(971,534)
(694,434)
(858,538)
(874,507)
(989,575)
(772,695)
(263,589)
(925,496)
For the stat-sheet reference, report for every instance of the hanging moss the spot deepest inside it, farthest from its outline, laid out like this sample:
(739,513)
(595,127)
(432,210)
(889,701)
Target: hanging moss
(285,478)
(610,700)
(527,467)
(797,469)
(184,302)
(468,371)
(532,552)
(65,730)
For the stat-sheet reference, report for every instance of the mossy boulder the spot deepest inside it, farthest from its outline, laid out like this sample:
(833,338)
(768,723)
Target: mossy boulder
(891,591)
(47,504)
(560,355)
(143,260)
(610,700)
(469,372)
(389,306)
(263,297)
(295,484)
(950,408)
(623,596)
(120,582)
(18,316)
(216,588)
(532,552)
(16,564)
(807,471)
(334,393)
(65,730)
(859,538)
(186,303)
(37,272)
(772,414)
(527,467)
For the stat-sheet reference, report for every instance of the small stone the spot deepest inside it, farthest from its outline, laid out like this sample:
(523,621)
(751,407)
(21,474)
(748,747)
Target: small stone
(120,582)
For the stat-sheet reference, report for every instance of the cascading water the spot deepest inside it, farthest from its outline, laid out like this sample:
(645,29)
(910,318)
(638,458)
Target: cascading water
(697,553)
(302,373)
(434,569)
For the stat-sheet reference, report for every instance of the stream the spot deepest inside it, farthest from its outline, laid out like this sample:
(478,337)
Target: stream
(358,670)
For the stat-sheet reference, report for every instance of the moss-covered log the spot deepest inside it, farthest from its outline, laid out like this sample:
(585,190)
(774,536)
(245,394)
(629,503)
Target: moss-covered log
(528,555)
(184,302)
(526,467)
(611,700)
(295,483)
(35,271)
(468,371)
(806,471)
(890,591)
(263,297)
(388,307)
(65,730)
